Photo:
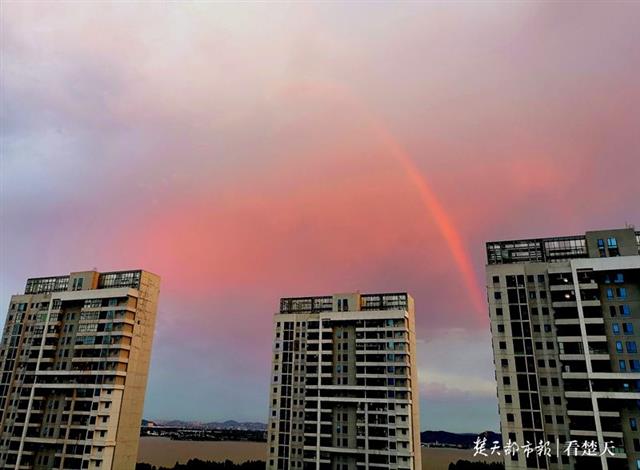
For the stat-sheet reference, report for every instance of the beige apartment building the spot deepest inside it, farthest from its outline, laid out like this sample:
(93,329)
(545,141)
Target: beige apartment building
(74,360)
(344,391)
(565,317)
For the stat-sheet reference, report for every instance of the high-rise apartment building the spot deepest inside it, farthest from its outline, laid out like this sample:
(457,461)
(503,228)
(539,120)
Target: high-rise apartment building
(344,391)
(565,317)
(74,360)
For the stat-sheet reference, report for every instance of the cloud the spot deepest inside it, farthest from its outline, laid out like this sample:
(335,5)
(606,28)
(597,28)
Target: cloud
(456,362)
(180,138)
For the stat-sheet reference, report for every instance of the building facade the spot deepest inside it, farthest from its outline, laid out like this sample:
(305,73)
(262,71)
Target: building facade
(74,360)
(344,391)
(565,316)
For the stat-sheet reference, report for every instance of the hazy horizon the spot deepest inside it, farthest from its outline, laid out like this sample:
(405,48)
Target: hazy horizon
(265,424)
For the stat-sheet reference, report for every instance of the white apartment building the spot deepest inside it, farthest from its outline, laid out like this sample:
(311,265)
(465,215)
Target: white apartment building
(344,391)
(73,362)
(565,317)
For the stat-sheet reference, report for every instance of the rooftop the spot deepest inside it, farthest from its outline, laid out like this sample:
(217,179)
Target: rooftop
(40,285)
(386,301)
(541,249)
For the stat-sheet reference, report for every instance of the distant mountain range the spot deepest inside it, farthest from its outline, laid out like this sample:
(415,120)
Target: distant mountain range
(450,439)
(435,438)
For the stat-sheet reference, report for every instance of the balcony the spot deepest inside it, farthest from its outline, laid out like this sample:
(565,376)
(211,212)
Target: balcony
(576,321)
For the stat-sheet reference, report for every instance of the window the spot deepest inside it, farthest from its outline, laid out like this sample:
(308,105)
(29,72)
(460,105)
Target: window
(510,417)
(499,311)
(496,279)
(92,303)
(547,328)
(622,365)
(627,328)
(508,399)
(504,362)
(619,346)
(622,292)
(612,243)
(500,328)
(625,310)
(619,279)
(635,365)
(514,312)
(601,247)
(633,424)
(506,380)
(609,293)
(497,295)
(616,328)
(503,345)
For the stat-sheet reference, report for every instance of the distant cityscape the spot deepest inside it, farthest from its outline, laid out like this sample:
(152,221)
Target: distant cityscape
(251,431)
(229,424)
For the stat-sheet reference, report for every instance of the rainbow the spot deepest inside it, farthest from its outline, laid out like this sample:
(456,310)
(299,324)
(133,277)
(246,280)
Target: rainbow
(443,222)
(434,207)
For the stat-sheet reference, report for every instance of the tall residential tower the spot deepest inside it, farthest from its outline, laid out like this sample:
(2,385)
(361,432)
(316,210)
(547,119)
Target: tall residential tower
(74,360)
(344,390)
(565,317)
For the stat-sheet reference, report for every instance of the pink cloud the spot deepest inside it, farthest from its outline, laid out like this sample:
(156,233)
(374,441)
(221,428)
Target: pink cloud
(181,139)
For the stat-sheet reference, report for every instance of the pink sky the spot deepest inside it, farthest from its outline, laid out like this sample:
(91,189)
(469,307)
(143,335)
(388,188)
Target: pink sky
(249,152)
